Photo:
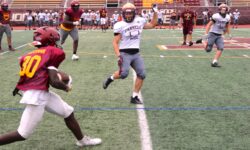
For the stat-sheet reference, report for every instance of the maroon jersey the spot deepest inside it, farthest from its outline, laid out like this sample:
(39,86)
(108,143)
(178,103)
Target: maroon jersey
(188,18)
(73,16)
(34,68)
(5,16)
(103,13)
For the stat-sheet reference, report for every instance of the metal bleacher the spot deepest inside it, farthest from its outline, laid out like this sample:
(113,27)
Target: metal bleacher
(35,4)
(240,2)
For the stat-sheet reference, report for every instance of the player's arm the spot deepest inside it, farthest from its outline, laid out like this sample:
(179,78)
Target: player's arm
(194,20)
(209,25)
(116,40)
(181,21)
(54,80)
(154,21)
(227,31)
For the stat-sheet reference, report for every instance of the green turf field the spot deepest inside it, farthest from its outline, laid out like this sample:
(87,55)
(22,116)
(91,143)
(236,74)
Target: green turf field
(189,105)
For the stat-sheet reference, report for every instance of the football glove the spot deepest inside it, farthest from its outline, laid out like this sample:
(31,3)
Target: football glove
(76,23)
(155,8)
(16,92)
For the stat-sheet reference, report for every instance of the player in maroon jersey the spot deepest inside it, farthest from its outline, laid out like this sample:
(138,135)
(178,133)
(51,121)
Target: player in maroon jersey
(69,25)
(188,21)
(5,16)
(38,71)
(103,16)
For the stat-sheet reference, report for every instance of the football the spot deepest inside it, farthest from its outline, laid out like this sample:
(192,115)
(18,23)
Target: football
(64,77)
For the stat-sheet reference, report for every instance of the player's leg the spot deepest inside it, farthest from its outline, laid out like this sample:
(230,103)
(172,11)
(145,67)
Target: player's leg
(74,35)
(138,66)
(31,117)
(185,32)
(189,35)
(63,35)
(220,47)
(59,107)
(1,36)
(8,34)
(210,42)
(122,73)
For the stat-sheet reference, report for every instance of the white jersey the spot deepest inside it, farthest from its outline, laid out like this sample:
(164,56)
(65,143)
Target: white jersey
(220,23)
(130,32)
(236,14)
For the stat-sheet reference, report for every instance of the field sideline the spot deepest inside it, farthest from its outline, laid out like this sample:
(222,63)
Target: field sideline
(188,104)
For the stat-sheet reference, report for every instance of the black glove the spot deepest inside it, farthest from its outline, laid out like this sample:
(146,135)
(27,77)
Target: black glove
(16,92)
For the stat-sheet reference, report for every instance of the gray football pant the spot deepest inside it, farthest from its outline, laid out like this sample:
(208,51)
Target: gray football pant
(215,39)
(133,60)
(73,33)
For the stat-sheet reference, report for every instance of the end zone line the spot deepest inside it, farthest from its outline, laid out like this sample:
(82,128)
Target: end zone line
(146,143)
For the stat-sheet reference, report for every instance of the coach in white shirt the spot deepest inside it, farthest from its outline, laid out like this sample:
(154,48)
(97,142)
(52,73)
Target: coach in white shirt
(126,43)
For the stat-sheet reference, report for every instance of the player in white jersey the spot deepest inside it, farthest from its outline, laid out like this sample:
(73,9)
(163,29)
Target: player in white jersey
(218,26)
(236,16)
(126,43)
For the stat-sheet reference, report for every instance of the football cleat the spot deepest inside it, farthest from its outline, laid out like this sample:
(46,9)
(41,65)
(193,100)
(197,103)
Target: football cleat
(135,100)
(215,64)
(198,41)
(190,43)
(184,43)
(107,82)
(87,141)
(75,57)
(11,49)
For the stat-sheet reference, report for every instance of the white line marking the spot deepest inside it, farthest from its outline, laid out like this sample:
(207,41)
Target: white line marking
(146,143)
(190,56)
(15,48)
(246,56)
(164,47)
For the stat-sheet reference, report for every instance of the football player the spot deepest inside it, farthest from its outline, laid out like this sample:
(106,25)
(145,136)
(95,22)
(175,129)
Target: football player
(5,16)
(218,26)
(103,16)
(126,44)
(38,71)
(188,21)
(69,25)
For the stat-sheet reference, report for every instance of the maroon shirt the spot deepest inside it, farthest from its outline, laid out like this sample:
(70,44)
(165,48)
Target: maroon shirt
(5,16)
(34,68)
(73,16)
(188,18)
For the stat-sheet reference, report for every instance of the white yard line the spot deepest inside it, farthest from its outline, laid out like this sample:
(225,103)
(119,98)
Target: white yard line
(146,143)
(15,48)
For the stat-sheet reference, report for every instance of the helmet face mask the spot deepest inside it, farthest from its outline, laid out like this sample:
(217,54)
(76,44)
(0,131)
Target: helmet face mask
(128,12)
(4,6)
(75,5)
(129,15)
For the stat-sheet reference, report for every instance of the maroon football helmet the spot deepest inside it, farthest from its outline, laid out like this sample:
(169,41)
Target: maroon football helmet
(45,36)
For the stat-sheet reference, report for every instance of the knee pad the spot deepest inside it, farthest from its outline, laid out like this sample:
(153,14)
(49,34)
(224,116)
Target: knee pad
(124,74)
